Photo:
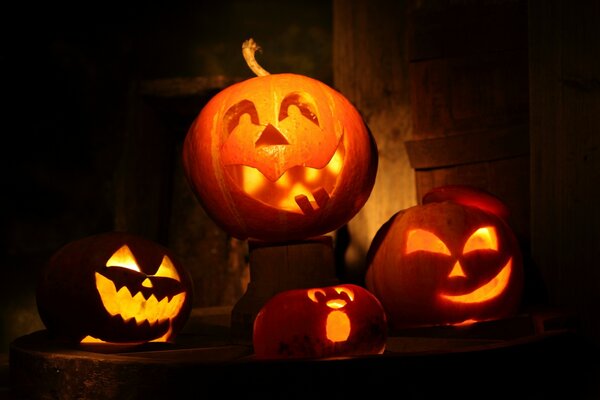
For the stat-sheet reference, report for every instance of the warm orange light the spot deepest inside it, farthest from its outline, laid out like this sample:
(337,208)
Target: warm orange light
(422,240)
(167,269)
(341,289)
(488,291)
(312,294)
(336,163)
(252,179)
(467,322)
(482,239)
(457,270)
(123,258)
(336,303)
(338,326)
(91,339)
(163,338)
(129,306)
(312,185)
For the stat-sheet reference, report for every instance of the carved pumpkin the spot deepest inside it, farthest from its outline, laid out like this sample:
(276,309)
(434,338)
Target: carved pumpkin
(280,157)
(320,322)
(453,259)
(114,287)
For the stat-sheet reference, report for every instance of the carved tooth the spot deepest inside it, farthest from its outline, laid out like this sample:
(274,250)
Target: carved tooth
(151,308)
(137,308)
(321,197)
(304,204)
(163,309)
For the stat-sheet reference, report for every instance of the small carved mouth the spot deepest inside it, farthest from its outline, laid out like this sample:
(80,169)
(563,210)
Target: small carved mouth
(493,288)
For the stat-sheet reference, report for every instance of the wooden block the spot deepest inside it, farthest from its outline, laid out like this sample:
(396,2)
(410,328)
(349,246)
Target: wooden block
(275,267)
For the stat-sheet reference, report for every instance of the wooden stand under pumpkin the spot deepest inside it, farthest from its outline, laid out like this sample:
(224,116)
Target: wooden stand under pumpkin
(275,267)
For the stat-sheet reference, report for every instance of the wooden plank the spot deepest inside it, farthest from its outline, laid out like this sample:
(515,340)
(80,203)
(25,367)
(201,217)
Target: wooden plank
(471,147)
(508,179)
(370,65)
(275,267)
(565,156)
(472,92)
(441,29)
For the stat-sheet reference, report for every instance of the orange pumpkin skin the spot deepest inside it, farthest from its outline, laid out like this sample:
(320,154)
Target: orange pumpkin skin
(331,321)
(258,144)
(457,274)
(71,306)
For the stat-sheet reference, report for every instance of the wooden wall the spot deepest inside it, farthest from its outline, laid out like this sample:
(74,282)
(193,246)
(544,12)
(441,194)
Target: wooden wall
(565,154)
(370,68)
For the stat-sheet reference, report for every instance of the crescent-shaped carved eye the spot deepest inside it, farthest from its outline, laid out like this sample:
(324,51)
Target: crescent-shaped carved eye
(299,103)
(349,293)
(235,112)
(482,239)
(422,240)
(312,294)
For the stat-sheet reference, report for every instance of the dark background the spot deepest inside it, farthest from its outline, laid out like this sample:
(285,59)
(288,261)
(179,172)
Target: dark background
(69,73)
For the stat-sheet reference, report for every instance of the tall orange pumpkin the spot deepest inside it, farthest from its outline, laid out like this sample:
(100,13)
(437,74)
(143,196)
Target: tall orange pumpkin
(279,157)
(452,259)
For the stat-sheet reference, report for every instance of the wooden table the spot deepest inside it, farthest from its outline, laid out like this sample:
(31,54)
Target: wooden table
(534,354)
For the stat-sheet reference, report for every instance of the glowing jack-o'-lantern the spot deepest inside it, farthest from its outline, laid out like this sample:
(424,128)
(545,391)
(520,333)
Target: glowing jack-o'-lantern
(114,287)
(320,322)
(452,260)
(279,157)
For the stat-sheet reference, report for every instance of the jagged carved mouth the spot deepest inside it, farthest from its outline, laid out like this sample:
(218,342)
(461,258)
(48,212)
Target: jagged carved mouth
(300,189)
(137,307)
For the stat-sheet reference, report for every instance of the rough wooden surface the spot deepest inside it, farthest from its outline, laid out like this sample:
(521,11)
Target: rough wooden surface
(371,69)
(469,100)
(275,267)
(540,350)
(565,158)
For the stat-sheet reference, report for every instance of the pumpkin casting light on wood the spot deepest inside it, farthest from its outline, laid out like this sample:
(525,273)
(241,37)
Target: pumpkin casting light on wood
(279,157)
(452,260)
(330,321)
(114,287)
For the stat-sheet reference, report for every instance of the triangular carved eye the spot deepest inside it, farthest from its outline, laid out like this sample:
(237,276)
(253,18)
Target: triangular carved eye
(236,111)
(167,270)
(422,240)
(297,103)
(482,239)
(123,258)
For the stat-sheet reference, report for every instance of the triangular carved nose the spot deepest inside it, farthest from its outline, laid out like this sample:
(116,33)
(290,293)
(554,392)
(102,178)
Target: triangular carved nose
(270,137)
(457,270)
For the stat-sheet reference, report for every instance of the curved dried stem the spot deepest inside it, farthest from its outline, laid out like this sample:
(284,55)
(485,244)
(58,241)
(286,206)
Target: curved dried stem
(249,48)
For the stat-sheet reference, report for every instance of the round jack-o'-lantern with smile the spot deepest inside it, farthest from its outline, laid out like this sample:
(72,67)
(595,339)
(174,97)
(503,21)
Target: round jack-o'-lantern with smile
(329,321)
(279,157)
(452,260)
(114,287)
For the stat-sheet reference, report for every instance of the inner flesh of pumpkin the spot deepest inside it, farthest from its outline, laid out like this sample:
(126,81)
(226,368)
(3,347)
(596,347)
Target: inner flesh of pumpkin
(300,189)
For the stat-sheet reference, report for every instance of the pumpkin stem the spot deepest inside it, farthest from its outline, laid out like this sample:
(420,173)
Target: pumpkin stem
(249,47)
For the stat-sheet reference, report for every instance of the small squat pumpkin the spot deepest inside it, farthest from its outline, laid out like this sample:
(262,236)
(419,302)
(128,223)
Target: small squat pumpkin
(279,157)
(329,321)
(114,287)
(451,260)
